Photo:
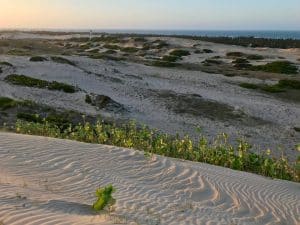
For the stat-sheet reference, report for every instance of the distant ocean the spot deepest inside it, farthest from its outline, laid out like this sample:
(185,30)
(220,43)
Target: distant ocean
(259,34)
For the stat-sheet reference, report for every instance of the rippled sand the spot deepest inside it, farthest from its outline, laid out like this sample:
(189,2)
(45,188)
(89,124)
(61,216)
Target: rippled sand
(50,181)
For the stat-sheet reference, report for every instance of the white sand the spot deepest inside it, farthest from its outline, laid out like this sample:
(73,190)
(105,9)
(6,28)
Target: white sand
(50,181)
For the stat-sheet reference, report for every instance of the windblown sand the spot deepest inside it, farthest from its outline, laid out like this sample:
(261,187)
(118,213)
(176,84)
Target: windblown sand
(51,181)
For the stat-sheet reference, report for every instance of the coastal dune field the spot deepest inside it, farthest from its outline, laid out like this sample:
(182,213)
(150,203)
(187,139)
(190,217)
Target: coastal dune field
(52,181)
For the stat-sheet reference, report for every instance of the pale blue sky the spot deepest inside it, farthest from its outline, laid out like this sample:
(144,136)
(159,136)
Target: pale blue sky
(152,14)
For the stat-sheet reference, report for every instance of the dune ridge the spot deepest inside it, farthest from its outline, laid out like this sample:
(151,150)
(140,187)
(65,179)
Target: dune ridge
(51,181)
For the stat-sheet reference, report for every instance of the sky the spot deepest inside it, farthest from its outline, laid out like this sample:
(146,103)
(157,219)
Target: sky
(151,14)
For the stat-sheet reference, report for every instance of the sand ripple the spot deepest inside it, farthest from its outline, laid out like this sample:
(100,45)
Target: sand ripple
(49,181)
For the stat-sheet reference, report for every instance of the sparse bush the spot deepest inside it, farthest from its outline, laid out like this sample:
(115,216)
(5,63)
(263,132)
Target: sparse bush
(284,67)
(170,58)
(113,47)
(6,64)
(207,50)
(235,54)
(33,82)
(292,84)
(163,64)
(249,86)
(255,57)
(129,49)
(180,52)
(104,198)
(62,60)
(212,61)
(38,59)
(110,51)
(88,99)
(6,103)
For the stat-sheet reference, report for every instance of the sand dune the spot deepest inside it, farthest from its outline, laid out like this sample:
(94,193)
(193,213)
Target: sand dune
(50,181)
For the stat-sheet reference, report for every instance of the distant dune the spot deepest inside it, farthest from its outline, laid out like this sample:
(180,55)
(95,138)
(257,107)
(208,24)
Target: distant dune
(50,181)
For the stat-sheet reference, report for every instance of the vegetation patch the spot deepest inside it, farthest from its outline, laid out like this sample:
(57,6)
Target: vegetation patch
(283,67)
(207,50)
(249,86)
(180,52)
(255,57)
(235,54)
(6,103)
(130,49)
(104,198)
(38,59)
(33,82)
(113,47)
(281,86)
(212,61)
(159,63)
(219,152)
(170,58)
(62,60)
(6,64)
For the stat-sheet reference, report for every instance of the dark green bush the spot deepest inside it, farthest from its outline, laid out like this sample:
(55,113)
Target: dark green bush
(113,47)
(284,67)
(88,99)
(235,54)
(62,60)
(163,64)
(33,82)
(6,103)
(38,59)
(255,57)
(293,84)
(207,50)
(6,64)
(170,58)
(129,49)
(180,52)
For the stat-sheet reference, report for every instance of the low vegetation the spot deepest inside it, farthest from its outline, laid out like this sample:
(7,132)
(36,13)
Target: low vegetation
(6,64)
(159,63)
(38,59)
(62,60)
(283,67)
(6,103)
(281,86)
(219,152)
(179,52)
(33,82)
(104,198)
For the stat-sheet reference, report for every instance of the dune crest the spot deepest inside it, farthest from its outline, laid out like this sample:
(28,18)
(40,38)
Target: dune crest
(50,181)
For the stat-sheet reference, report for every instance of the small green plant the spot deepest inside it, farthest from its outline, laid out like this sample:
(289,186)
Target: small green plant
(104,198)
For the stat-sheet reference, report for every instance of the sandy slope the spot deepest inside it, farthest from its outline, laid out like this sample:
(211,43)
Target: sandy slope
(50,181)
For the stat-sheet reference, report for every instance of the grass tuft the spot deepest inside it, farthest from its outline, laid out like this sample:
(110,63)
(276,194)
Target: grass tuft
(104,198)
(283,67)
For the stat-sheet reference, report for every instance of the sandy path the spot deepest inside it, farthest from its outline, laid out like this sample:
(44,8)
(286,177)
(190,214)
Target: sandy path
(50,181)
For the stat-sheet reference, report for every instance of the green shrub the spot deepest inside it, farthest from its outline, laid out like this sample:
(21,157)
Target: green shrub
(113,47)
(110,51)
(207,50)
(284,67)
(88,99)
(235,54)
(33,82)
(129,49)
(249,86)
(6,64)
(180,52)
(292,84)
(6,103)
(104,198)
(255,57)
(29,117)
(62,60)
(273,88)
(163,64)
(170,58)
(38,59)
(219,152)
